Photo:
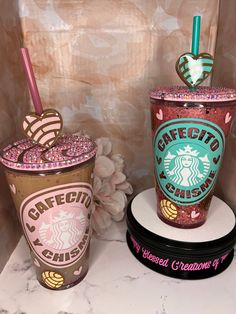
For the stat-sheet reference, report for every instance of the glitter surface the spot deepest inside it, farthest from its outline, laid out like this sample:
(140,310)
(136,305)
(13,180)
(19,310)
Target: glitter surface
(201,94)
(70,150)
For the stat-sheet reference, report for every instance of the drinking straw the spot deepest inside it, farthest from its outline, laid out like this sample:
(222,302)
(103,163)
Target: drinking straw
(195,39)
(31,81)
(196,34)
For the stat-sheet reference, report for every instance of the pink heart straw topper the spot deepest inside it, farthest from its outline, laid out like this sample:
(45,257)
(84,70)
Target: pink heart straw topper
(41,127)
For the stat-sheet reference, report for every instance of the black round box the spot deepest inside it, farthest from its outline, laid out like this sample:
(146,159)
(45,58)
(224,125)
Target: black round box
(181,253)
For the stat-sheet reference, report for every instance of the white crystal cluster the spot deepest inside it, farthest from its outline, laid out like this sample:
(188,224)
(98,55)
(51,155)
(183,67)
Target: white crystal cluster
(110,187)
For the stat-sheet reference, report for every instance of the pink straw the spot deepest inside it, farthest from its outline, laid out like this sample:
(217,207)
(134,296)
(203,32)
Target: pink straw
(31,81)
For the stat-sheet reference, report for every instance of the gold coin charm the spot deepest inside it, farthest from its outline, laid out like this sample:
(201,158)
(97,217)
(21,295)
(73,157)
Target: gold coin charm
(168,209)
(52,279)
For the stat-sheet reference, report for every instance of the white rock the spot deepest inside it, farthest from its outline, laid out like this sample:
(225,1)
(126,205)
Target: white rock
(107,188)
(107,146)
(118,177)
(125,187)
(99,149)
(104,146)
(115,203)
(119,216)
(118,161)
(104,167)
(101,220)
(97,184)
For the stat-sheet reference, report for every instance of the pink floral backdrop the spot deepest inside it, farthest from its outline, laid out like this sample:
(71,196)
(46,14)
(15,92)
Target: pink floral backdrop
(13,106)
(96,60)
(225,75)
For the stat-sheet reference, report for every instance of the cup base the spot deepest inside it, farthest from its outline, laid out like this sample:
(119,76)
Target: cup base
(173,224)
(187,254)
(74,283)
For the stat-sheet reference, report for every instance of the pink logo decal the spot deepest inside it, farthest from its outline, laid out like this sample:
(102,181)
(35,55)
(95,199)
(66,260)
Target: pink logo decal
(56,222)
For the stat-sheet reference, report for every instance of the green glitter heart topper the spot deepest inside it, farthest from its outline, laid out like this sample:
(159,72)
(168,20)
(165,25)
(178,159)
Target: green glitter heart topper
(193,68)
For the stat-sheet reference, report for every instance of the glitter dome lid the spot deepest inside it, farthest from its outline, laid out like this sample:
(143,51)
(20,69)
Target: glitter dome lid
(70,150)
(201,94)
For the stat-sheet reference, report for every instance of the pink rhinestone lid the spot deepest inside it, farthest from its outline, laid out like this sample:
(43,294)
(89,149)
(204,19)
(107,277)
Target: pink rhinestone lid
(201,94)
(70,150)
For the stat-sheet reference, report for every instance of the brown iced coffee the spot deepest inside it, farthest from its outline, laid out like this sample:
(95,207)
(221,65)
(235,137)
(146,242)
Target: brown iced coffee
(52,192)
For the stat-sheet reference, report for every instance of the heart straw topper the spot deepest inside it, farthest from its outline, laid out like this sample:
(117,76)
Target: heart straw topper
(42,127)
(193,68)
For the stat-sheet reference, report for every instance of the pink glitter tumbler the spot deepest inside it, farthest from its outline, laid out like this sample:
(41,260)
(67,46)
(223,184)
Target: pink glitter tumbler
(52,192)
(189,130)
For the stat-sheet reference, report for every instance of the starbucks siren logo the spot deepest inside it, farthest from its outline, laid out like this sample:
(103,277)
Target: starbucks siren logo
(187,157)
(186,170)
(56,223)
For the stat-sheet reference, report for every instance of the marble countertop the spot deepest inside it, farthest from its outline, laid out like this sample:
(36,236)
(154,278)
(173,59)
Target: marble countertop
(116,283)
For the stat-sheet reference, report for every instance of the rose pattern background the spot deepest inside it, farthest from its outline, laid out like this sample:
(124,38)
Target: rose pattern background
(97,67)
(13,106)
(225,75)
(95,61)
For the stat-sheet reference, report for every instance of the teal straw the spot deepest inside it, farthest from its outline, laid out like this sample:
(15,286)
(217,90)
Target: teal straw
(196,34)
(195,39)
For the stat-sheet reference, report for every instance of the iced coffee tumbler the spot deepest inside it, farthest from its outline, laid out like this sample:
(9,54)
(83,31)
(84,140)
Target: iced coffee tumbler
(189,130)
(52,192)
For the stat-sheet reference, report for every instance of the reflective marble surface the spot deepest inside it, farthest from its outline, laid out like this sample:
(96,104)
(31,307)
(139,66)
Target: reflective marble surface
(115,283)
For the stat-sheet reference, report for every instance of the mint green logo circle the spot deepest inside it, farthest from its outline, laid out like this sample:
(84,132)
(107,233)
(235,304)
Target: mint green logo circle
(187,155)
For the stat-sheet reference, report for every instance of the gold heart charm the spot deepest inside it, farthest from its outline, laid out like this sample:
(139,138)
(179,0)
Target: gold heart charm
(45,129)
(194,69)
